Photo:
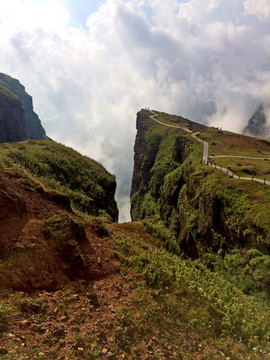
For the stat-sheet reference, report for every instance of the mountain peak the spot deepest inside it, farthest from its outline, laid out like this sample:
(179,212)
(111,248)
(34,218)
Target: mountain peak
(257,124)
(29,119)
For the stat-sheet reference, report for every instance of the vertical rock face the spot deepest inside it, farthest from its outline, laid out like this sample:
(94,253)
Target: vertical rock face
(190,206)
(12,117)
(33,127)
(257,125)
(144,157)
(149,172)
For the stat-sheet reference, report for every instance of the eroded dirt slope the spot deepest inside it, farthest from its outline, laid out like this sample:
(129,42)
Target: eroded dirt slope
(36,243)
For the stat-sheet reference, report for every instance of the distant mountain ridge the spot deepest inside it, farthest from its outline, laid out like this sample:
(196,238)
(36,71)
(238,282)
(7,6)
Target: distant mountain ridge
(257,124)
(15,127)
(12,117)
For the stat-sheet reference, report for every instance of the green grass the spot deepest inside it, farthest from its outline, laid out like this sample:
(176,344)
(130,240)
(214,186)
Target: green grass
(178,120)
(8,94)
(183,296)
(245,167)
(88,184)
(223,224)
(193,198)
(228,143)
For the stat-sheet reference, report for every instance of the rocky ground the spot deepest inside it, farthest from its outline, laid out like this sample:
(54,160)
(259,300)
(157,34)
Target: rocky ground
(47,314)
(85,306)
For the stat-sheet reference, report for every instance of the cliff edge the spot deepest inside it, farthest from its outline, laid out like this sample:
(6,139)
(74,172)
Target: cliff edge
(198,207)
(29,120)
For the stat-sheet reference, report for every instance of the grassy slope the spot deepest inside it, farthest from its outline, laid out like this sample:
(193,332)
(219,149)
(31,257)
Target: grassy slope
(178,297)
(157,306)
(167,306)
(227,143)
(5,92)
(231,275)
(251,200)
(56,167)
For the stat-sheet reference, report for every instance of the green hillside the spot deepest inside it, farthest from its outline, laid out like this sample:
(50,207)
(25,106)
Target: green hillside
(196,202)
(222,224)
(189,279)
(53,166)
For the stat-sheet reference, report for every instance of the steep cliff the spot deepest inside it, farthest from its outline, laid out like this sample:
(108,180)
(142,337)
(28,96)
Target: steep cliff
(12,117)
(32,125)
(201,208)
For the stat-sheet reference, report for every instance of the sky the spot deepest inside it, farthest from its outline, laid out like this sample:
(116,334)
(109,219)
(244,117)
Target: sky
(92,65)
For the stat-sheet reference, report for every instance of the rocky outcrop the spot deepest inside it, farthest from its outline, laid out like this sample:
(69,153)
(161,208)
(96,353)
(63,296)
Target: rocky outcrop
(12,117)
(257,125)
(145,153)
(144,156)
(32,125)
(12,205)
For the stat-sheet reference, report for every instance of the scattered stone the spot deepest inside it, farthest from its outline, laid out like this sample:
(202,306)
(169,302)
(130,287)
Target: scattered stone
(63,318)
(38,328)
(3,351)
(62,342)
(26,323)
(32,306)
(265,171)
(93,299)
(111,357)
(60,332)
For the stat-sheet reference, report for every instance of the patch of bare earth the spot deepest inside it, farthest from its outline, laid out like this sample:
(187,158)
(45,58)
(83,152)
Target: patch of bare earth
(50,310)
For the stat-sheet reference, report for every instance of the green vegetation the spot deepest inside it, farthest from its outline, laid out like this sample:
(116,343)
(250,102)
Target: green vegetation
(227,143)
(246,167)
(218,299)
(56,167)
(212,235)
(200,205)
(8,94)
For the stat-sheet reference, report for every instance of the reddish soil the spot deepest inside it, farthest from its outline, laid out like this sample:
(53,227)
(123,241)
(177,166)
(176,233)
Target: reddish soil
(22,243)
(47,312)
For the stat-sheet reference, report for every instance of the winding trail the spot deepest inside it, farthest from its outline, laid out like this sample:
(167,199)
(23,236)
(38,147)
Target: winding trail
(238,156)
(206,157)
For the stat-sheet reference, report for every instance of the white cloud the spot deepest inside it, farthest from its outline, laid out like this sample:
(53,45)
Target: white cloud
(206,60)
(259,8)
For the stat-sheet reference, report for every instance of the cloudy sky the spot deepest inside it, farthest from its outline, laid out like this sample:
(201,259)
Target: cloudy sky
(90,65)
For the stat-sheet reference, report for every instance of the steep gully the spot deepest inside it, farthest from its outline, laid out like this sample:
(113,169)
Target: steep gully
(206,158)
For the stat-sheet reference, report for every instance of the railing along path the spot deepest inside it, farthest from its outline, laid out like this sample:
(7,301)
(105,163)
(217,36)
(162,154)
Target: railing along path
(205,156)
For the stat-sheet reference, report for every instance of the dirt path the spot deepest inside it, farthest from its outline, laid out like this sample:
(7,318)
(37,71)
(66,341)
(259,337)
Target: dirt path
(205,156)
(238,156)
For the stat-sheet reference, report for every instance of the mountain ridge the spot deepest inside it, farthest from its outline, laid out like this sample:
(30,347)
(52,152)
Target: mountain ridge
(30,121)
(257,124)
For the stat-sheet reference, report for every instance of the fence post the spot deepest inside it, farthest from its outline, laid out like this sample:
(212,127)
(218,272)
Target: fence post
(264,181)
